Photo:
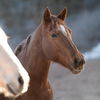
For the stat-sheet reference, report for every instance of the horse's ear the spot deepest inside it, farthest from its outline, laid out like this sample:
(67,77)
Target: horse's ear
(63,14)
(46,15)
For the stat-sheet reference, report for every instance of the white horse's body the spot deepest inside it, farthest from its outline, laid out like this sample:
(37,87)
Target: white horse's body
(14,79)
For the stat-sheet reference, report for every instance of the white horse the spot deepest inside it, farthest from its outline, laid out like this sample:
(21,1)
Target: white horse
(14,79)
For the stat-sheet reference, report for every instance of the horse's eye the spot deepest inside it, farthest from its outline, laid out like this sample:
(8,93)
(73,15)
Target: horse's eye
(54,35)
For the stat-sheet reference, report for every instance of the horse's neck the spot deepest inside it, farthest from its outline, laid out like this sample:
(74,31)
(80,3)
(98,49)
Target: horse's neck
(37,63)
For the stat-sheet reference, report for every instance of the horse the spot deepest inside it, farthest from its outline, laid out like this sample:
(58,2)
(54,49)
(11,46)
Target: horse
(14,79)
(50,42)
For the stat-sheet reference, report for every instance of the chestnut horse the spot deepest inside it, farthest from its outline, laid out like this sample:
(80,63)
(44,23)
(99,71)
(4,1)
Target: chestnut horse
(51,41)
(14,79)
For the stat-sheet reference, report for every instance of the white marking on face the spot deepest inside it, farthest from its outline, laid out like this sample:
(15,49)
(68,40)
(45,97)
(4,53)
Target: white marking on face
(62,29)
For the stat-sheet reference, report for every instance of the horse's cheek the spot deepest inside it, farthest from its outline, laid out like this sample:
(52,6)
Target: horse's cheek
(48,48)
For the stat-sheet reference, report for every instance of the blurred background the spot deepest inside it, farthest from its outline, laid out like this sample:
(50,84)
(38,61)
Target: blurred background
(19,18)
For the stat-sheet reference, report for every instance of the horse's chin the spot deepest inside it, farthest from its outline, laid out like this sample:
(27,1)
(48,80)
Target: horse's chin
(5,97)
(4,92)
(76,70)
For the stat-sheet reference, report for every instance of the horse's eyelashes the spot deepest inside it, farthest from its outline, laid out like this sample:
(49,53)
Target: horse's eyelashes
(54,35)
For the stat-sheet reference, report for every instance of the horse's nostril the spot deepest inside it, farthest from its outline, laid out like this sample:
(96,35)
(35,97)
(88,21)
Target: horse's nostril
(79,62)
(20,80)
(82,61)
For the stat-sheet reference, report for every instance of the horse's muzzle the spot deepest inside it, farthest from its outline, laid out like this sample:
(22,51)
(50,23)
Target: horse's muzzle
(14,89)
(77,65)
(78,62)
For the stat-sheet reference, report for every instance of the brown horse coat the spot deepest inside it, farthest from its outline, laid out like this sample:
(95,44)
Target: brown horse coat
(51,41)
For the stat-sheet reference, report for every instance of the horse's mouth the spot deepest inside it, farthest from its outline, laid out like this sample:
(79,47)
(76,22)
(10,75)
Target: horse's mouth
(14,92)
(76,70)
(6,93)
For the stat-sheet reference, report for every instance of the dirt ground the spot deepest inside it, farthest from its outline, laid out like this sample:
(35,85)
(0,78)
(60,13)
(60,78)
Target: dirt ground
(85,86)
